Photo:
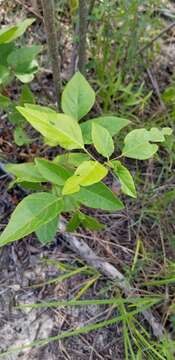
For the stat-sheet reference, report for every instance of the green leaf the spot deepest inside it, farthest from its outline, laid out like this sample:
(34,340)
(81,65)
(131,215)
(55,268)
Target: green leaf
(30,185)
(73,223)
(158,135)
(7,34)
(169,95)
(5,102)
(86,221)
(125,178)
(99,196)
(26,96)
(137,142)
(5,50)
(70,203)
(59,127)
(47,232)
(90,172)
(111,123)
(15,117)
(71,159)
(4,74)
(87,173)
(20,136)
(32,212)
(71,185)
(10,33)
(90,222)
(39,108)
(54,173)
(102,140)
(25,78)
(78,97)
(25,172)
(21,59)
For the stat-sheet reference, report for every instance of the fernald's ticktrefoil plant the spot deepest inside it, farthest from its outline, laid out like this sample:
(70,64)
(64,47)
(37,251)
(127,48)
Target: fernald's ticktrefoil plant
(74,178)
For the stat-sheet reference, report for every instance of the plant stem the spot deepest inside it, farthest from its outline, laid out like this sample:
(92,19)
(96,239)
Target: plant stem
(90,155)
(52,41)
(83,13)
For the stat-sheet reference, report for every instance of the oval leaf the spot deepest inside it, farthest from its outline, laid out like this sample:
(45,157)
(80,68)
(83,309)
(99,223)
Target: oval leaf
(47,232)
(5,102)
(20,59)
(125,178)
(71,185)
(88,173)
(54,173)
(102,140)
(78,97)
(25,172)
(99,196)
(26,96)
(32,212)
(4,74)
(20,136)
(60,128)
(11,33)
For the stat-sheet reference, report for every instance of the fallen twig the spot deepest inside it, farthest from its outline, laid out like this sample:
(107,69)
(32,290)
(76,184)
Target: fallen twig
(30,9)
(85,252)
(156,37)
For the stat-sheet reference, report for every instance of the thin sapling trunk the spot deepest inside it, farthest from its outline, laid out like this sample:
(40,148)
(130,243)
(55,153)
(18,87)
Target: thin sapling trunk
(52,40)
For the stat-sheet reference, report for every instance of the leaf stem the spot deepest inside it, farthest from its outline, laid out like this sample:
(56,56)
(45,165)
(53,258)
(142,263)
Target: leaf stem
(88,153)
(117,157)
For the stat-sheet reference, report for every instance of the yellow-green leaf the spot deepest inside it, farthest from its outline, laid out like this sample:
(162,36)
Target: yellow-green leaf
(88,173)
(60,128)
(102,140)
(71,185)
(10,33)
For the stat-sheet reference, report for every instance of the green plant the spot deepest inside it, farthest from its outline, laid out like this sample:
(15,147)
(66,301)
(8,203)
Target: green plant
(75,178)
(117,32)
(17,62)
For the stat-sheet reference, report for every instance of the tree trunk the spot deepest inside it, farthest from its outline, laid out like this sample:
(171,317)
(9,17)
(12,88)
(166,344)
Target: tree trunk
(52,40)
(83,13)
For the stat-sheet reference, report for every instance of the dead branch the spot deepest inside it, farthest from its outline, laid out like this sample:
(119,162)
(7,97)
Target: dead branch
(157,37)
(86,253)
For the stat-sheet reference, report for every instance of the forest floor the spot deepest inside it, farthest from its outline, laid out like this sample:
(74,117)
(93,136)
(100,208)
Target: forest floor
(26,266)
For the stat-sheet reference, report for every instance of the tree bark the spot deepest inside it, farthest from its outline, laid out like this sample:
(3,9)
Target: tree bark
(83,14)
(52,40)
